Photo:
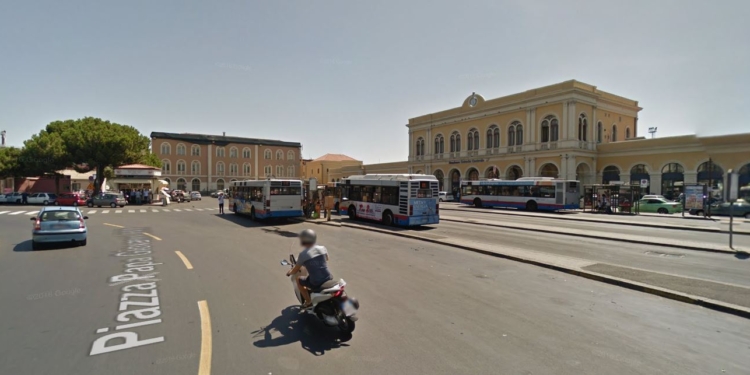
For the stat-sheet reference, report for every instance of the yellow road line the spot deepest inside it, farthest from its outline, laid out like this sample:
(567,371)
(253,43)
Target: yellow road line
(184,260)
(112,225)
(204,368)
(152,236)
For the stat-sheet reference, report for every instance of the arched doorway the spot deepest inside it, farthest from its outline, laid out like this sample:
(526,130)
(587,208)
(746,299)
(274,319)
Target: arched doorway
(640,172)
(473,174)
(711,175)
(196,184)
(609,174)
(181,184)
(514,173)
(548,170)
(672,180)
(441,178)
(492,172)
(744,175)
(220,184)
(583,174)
(455,183)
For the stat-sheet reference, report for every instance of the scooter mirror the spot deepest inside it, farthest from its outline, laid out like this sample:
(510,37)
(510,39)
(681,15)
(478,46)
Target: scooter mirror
(284,263)
(291,259)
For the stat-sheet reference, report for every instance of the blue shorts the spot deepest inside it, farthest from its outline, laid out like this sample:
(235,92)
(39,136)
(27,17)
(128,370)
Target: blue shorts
(305,281)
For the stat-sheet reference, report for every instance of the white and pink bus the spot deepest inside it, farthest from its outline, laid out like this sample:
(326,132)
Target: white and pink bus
(529,193)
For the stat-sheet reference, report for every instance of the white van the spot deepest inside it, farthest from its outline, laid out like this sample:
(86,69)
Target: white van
(444,196)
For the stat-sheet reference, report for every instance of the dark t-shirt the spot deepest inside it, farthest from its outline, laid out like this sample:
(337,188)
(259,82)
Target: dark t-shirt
(314,260)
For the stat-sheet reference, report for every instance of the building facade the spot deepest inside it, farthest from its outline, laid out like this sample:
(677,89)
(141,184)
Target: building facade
(569,130)
(199,162)
(324,169)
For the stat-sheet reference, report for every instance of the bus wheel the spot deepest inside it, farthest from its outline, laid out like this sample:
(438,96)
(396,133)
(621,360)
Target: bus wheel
(352,213)
(477,203)
(388,218)
(531,206)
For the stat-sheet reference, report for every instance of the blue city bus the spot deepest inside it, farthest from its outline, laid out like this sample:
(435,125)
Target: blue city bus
(264,199)
(529,193)
(393,199)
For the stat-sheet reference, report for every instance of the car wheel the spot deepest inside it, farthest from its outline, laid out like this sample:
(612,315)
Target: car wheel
(82,243)
(122,206)
(441,199)
(57,203)
(113,205)
(388,219)
(34,245)
(90,205)
(75,204)
(46,203)
(662,211)
(747,215)
(99,206)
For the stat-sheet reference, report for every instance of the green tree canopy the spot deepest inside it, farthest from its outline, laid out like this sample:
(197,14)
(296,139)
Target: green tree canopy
(10,160)
(45,154)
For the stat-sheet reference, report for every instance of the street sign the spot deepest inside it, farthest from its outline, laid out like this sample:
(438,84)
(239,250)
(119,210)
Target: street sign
(313,184)
(732,186)
(644,182)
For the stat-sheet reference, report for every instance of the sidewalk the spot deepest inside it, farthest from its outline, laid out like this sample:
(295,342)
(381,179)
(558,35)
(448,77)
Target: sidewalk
(691,223)
(728,298)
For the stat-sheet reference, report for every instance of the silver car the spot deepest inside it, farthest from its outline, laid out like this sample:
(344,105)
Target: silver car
(59,225)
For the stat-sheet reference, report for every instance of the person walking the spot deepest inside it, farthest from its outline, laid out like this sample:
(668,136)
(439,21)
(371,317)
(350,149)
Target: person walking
(221,203)
(24,198)
(145,196)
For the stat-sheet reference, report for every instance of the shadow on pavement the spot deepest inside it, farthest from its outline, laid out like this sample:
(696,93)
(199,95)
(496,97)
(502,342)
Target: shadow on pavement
(375,224)
(742,255)
(291,327)
(25,246)
(246,222)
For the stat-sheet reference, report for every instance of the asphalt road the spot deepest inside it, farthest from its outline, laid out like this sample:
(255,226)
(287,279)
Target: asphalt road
(426,309)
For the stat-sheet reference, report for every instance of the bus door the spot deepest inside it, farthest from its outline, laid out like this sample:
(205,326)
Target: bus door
(572,194)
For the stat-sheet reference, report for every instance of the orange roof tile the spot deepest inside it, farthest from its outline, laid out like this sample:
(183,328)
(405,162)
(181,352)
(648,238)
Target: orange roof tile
(335,157)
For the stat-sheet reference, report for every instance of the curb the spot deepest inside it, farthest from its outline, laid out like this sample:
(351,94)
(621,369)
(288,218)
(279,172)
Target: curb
(628,284)
(661,226)
(616,239)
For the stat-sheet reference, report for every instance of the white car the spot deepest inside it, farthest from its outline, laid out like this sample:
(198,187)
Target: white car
(42,198)
(444,196)
(11,198)
(195,195)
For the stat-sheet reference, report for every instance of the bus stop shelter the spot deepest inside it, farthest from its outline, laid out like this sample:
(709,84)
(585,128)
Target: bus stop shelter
(622,198)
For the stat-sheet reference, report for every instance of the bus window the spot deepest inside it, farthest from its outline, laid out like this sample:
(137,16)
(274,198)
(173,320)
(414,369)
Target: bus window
(547,191)
(390,195)
(376,194)
(424,190)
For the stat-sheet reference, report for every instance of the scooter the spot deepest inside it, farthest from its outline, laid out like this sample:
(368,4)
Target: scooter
(330,303)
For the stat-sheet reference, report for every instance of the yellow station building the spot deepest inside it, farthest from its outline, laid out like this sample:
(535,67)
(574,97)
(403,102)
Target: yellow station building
(570,130)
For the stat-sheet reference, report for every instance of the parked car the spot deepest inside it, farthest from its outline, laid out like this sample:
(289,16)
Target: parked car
(59,225)
(107,199)
(215,194)
(444,196)
(659,205)
(195,195)
(740,208)
(71,199)
(42,198)
(11,198)
(652,196)
(4,197)
(699,212)
(178,196)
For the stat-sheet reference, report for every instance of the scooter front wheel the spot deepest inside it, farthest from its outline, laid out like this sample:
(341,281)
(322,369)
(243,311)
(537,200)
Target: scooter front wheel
(346,325)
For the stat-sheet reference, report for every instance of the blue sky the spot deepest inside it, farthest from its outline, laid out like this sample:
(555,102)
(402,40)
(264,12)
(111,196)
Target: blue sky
(345,77)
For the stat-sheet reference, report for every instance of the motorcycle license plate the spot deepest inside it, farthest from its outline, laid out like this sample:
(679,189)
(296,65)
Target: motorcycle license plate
(348,308)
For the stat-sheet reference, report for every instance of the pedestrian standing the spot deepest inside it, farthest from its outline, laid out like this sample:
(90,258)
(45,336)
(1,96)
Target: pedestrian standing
(24,198)
(145,196)
(221,203)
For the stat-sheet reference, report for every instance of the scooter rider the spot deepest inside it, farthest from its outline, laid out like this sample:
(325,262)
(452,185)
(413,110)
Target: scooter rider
(315,259)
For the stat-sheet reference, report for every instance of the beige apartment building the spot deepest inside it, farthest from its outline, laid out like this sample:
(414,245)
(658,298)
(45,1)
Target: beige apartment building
(325,168)
(201,162)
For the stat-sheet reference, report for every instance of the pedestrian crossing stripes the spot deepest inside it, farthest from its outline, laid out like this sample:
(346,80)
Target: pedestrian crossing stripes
(125,211)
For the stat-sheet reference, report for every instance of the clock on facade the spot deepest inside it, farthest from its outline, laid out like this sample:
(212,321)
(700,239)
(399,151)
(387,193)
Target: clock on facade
(473,101)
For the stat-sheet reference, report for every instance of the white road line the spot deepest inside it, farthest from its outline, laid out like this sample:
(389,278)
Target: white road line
(105,211)
(91,212)
(31,213)
(166,210)
(4,212)
(17,213)
(131,211)
(152,210)
(187,209)
(177,210)
(143,210)
(118,211)
(199,209)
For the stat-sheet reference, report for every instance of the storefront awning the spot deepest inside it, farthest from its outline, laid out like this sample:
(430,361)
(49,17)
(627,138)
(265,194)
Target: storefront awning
(130,181)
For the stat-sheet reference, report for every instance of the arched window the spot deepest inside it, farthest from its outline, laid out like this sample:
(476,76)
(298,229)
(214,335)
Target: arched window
(582,127)
(166,167)
(220,152)
(473,174)
(195,150)
(511,135)
(166,149)
(548,170)
(420,146)
(614,133)
(181,167)
(181,184)
(711,175)
(455,142)
(610,173)
(233,152)
(514,173)
(493,137)
(267,170)
(290,155)
(196,184)
(519,134)
(195,167)
(550,129)
(627,133)
(599,132)
(279,155)
(267,154)
(672,180)
(220,168)
(246,169)
(472,141)
(233,169)
(181,149)
(290,171)
(220,184)
(279,171)
(440,177)
(439,144)
(246,154)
